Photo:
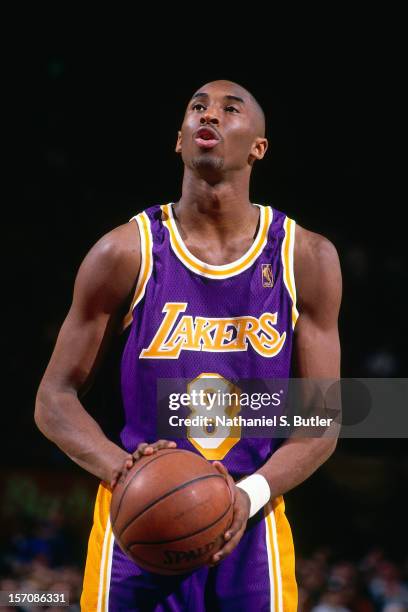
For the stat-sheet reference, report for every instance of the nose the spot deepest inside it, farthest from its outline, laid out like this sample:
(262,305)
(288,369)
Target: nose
(209,116)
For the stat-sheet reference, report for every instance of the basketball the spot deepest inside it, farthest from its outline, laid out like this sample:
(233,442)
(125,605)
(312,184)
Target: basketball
(171,512)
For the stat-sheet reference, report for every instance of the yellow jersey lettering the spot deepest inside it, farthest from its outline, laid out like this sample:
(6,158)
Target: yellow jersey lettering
(202,338)
(223,335)
(213,335)
(157,348)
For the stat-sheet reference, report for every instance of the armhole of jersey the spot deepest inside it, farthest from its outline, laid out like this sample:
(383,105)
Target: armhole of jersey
(146,263)
(288,247)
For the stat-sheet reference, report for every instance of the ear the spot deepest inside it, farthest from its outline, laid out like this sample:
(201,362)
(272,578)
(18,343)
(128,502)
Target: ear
(258,149)
(178,143)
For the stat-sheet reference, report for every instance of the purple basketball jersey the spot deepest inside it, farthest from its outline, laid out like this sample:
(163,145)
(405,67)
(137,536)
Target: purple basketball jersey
(190,319)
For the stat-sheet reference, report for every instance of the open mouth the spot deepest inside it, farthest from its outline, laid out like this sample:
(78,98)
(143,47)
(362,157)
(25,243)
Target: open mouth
(206,138)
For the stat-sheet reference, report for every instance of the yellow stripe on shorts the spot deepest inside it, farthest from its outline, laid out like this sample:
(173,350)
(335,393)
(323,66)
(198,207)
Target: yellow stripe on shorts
(281,558)
(95,592)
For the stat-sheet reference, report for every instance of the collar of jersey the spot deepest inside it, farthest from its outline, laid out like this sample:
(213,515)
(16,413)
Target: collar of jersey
(208,270)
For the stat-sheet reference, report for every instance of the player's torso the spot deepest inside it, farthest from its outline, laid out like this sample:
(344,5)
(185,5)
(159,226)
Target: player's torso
(192,319)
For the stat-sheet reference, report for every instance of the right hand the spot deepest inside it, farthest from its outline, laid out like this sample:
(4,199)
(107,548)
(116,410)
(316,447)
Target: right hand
(143,449)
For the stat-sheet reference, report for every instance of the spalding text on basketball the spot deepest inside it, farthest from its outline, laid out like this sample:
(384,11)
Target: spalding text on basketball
(175,557)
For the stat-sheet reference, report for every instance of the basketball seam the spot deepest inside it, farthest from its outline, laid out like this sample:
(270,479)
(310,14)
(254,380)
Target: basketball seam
(158,499)
(189,535)
(154,458)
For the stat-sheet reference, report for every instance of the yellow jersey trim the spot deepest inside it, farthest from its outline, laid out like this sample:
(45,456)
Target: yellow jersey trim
(223,271)
(288,246)
(281,558)
(104,601)
(97,576)
(146,263)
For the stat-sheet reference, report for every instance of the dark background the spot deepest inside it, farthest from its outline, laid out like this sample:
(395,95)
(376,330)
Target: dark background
(93,136)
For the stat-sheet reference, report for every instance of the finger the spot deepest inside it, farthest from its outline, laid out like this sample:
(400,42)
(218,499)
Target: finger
(230,481)
(221,468)
(120,475)
(138,452)
(232,488)
(145,449)
(128,462)
(127,465)
(227,548)
(234,528)
(125,469)
(164,444)
(239,520)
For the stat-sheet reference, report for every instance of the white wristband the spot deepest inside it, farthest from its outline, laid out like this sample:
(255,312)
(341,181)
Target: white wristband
(259,493)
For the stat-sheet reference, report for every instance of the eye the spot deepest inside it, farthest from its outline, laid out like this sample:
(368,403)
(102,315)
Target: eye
(231,109)
(194,107)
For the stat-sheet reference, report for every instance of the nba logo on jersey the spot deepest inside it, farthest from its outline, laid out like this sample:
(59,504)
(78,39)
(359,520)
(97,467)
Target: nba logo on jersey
(267,275)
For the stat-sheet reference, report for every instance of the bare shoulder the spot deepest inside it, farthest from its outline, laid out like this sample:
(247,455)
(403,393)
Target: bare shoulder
(109,271)
(313,249)
(317,270)
(120,245)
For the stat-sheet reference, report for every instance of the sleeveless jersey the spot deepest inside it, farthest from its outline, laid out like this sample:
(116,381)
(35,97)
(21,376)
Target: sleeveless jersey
(190,319)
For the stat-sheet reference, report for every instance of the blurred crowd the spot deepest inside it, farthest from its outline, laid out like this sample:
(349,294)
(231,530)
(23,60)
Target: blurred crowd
(373,584)
(40,556)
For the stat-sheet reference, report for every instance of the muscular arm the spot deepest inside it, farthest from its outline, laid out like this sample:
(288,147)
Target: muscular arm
(103,289)
(316,353)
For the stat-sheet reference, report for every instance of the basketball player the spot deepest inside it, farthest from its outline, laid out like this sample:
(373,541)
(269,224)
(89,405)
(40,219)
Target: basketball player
(213,284)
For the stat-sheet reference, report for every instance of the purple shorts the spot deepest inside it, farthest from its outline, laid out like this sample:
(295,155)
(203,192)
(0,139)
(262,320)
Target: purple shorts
(258,575)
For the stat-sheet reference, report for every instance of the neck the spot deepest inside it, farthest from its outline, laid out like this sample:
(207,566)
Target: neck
(224,203)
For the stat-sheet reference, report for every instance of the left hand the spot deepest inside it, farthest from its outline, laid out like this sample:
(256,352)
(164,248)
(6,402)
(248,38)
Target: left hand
(239,519)
(143,449)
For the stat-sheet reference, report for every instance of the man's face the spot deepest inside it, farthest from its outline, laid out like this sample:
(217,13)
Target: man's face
(221,129)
